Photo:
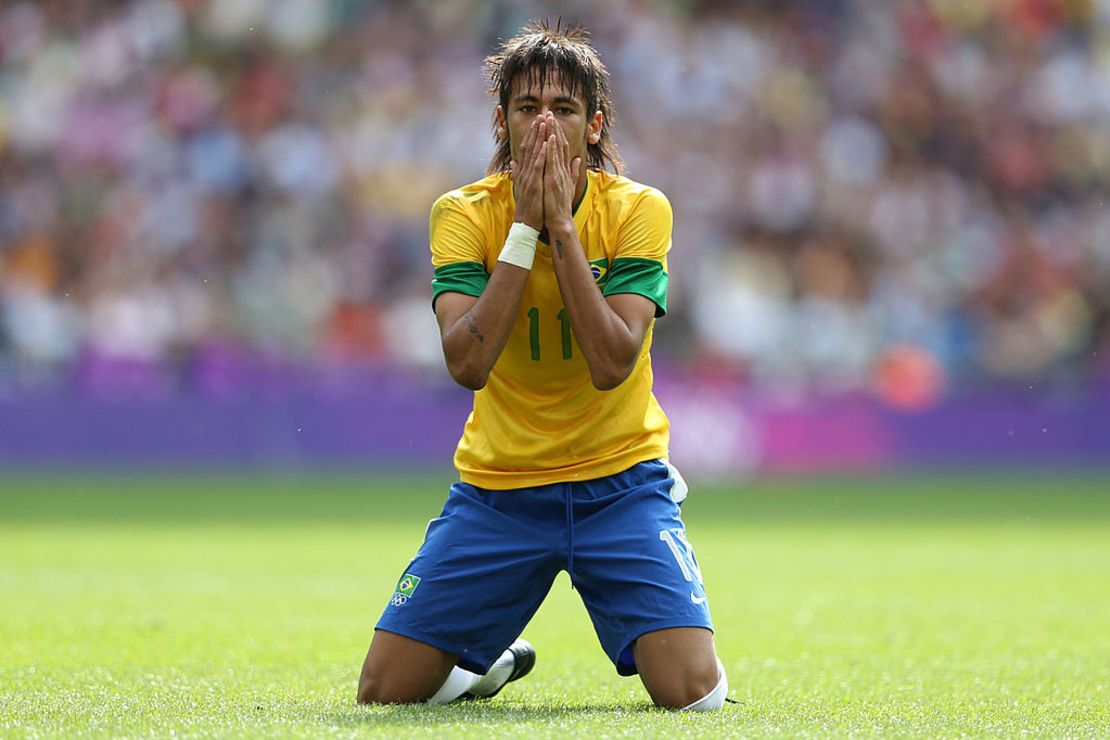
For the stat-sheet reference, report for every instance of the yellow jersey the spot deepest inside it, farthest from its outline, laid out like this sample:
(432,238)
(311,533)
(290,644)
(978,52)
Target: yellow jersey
(539,419)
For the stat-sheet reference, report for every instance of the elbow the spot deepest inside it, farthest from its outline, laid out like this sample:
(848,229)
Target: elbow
(470,382)
(612,366)
(606,384)
(471,378)
(465,368)
(606,379)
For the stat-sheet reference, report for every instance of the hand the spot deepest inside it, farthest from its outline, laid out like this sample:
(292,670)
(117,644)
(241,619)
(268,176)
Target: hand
(560,179)
(528,175)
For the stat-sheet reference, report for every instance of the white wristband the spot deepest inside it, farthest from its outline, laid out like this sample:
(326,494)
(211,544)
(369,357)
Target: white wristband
(520,246)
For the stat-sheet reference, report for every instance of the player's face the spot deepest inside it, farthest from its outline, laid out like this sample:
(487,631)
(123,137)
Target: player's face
(528,100)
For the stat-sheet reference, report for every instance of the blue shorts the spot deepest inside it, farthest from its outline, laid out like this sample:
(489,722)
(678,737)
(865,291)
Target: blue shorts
(489,559)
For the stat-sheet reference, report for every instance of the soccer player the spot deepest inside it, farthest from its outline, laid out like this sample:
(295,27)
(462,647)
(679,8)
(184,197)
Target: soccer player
(549,274)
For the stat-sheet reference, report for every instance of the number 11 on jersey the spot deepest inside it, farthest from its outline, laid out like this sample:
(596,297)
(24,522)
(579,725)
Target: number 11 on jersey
(534,332)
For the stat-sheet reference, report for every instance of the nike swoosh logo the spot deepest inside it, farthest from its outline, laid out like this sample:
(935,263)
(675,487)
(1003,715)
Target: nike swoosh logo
(697,599)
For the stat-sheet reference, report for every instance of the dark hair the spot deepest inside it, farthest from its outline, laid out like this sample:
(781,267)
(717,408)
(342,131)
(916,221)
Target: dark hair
(542,50)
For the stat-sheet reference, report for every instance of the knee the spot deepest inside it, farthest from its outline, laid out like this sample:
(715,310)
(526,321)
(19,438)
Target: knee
(369,690)
(375,689)
(692,688)
(398,670)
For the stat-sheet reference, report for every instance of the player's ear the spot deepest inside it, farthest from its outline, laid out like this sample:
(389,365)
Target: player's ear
(502,125)
(593,130)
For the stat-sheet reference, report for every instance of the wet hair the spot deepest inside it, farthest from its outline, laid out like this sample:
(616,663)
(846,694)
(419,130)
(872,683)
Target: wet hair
(538,51)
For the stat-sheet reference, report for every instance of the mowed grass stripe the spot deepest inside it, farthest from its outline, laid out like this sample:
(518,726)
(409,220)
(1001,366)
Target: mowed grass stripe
(302,496)
(927,622)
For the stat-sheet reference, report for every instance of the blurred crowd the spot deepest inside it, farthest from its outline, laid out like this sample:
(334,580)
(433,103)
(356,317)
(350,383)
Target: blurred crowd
(904,196)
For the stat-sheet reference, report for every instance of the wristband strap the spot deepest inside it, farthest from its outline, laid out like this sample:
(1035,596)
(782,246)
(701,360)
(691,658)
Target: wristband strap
(520,246)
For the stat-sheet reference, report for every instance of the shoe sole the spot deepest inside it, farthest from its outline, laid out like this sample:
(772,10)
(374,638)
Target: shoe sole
(524,660)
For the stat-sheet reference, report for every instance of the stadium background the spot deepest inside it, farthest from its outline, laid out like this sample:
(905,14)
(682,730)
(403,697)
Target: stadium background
(891,238)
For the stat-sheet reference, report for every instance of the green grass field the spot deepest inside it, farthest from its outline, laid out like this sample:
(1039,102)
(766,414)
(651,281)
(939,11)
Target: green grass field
(243,605)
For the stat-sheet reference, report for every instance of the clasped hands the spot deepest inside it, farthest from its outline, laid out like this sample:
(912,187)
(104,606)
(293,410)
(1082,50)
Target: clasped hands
(544,180)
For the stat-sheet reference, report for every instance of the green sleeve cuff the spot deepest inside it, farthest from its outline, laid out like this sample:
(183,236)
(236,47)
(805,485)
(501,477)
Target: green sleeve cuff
(468,278)
(638,275)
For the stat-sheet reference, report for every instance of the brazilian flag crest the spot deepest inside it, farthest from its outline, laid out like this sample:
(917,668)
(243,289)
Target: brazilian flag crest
(405,588)
(600,270)
(407,584)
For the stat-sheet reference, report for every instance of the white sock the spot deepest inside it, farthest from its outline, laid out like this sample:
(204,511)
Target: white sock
(458,682)
(715,699)
(496,676)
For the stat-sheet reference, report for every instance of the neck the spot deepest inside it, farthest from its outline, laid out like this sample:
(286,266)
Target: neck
(580,186)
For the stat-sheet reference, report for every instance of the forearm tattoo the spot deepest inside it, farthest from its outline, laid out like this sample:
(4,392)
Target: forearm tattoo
(472,328)
(559,248)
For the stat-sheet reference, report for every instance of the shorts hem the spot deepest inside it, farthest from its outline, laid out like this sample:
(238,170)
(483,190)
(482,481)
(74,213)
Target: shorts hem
(629,668)
(440,644)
